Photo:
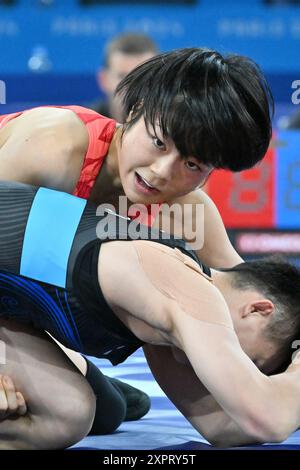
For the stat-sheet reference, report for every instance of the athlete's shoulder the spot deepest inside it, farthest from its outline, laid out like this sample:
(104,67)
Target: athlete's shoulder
(52,143)
(84,113)
(59,127)
(54,116)
(181,280)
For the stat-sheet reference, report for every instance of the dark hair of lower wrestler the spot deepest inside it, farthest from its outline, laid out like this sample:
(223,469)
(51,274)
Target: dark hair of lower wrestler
(215,108)
(279,281)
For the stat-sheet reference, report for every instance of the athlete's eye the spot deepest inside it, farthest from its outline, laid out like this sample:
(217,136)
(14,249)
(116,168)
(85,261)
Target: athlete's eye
(158,143)
(192,166)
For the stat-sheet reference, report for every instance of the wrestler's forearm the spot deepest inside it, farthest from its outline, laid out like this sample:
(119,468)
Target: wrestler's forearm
(266,408)
(286,400)
(217,250)
(223,431)
(217,427)
(229,434)
(193,399)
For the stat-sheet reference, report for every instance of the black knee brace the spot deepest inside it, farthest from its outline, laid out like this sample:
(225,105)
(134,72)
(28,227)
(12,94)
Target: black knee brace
(110,404)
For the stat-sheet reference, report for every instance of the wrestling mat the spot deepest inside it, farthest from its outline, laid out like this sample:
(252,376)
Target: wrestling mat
(163,427)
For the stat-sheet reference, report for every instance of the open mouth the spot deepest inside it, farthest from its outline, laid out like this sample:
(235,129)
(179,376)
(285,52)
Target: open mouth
(142,183)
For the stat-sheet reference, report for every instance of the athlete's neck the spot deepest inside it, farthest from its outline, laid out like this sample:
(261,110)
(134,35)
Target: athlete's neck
(112,158)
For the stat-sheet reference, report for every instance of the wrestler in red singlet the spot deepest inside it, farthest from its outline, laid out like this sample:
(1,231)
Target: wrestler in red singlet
(100,130)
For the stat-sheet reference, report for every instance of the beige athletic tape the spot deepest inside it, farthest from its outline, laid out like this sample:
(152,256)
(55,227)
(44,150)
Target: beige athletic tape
(179,278)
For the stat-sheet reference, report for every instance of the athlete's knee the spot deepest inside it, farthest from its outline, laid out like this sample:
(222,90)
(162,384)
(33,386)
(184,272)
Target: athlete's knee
(110,405)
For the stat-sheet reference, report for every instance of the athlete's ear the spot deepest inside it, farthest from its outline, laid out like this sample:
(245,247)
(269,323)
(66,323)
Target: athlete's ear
(134,110)
(262,307)
(130,115)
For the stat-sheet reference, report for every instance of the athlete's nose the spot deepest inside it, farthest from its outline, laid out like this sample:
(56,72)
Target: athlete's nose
(165,167)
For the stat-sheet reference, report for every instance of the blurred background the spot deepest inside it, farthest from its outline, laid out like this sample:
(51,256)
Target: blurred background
(60,52)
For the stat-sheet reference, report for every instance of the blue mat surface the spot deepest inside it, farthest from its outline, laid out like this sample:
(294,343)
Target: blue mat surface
(163,427)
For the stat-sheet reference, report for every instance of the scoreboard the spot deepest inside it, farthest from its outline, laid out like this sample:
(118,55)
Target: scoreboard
(267,196)
(261,206)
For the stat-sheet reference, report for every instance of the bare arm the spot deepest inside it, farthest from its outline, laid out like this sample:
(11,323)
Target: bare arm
(217,250)
(194,401)
(264,408)
(44,147)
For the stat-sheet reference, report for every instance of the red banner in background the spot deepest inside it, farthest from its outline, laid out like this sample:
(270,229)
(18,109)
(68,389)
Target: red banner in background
(246,199)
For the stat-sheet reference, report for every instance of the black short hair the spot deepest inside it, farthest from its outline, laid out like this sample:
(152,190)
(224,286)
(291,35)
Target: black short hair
(215,108)
(279,281)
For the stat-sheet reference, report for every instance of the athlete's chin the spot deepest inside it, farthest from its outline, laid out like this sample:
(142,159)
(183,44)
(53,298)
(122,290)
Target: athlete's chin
(138,197)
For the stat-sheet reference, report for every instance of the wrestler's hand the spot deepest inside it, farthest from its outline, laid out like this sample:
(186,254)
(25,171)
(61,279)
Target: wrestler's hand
(12,403)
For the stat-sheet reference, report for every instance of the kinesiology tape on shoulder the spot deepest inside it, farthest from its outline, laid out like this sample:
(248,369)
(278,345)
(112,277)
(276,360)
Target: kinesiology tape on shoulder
(179,278)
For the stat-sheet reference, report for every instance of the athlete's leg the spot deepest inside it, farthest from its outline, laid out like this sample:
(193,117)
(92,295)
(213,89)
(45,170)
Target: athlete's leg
(116,400)
(60,402)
